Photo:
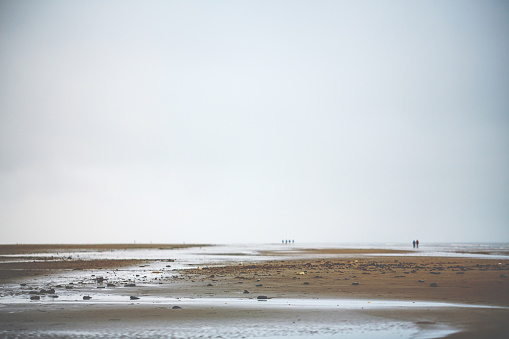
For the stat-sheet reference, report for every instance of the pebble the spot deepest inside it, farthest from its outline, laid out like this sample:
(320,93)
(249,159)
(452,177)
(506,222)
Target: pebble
(245,292)
(434,284)
(421,281)
(355,283)
(134,298)
(305,283)
(35,297)
(259,285)
(87,297)
(210,285)
(176,308)
(262,297)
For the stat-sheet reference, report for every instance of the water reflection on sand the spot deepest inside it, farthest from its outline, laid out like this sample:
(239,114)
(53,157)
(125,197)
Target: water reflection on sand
(237,317)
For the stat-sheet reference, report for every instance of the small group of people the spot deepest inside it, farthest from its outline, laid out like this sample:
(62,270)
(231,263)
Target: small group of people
(416,243)
(286,242)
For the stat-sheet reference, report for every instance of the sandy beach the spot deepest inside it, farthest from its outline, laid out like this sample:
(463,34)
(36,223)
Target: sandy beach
(323,293)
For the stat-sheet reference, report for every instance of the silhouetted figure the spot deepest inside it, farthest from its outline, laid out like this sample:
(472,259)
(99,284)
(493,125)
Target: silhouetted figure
(414,243)
(417,243)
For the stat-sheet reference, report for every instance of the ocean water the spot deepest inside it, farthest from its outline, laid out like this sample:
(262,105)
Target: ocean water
(228,253)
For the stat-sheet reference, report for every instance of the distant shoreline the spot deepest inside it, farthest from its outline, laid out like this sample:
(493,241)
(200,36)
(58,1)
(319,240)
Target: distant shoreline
(9,249)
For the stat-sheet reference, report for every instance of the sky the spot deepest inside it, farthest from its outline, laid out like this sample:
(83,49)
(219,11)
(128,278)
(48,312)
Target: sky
(254,121)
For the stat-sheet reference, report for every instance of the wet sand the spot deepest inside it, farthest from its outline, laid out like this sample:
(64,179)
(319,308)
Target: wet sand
(361,275)
(463,280)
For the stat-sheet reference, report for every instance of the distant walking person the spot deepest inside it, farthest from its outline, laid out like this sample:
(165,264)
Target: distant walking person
(417,243)
(414,243)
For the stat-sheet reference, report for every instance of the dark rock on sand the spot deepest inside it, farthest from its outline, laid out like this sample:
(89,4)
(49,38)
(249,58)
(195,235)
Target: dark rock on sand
(259,285)
(210,285)
(33,292)
(305,283)
(421,281)
(176,308)
(245,292)
(110,285)
(87,297)
(134,298)
(355,283)
(434,284)
(261,297)
(35,297)
(130,285)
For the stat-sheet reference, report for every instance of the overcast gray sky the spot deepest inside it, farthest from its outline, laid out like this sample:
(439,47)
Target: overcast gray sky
(254,121)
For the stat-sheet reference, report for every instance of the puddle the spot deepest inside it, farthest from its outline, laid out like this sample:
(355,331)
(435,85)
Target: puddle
(293,332)
(251,302)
